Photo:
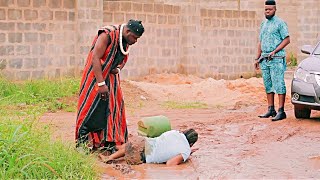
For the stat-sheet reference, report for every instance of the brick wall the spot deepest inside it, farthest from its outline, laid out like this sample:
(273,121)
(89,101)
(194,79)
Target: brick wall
(46,38)
(158,49)
(228,43)
(308,24)
(37,38)
(302,17)
(208,43)
(89,19)
(51,38)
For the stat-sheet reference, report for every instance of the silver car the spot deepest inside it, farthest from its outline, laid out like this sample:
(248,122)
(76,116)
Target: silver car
(305,87)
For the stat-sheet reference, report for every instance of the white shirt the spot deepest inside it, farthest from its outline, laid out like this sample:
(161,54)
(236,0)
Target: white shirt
(167,146)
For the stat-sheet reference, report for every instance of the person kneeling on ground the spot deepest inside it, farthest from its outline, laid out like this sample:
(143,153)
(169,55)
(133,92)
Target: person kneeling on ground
(172,147)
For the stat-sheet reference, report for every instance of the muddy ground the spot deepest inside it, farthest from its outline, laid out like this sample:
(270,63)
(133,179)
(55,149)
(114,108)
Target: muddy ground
(234,143)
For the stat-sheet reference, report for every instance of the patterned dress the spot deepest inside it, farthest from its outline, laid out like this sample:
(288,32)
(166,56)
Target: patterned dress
(101,121)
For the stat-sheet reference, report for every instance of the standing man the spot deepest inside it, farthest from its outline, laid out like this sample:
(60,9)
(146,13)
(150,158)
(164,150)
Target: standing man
(101,119)
(274,37)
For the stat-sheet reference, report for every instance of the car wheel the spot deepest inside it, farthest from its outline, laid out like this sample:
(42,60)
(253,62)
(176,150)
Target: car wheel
(303,113)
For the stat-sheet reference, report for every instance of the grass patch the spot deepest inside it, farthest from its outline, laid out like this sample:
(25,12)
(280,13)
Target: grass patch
(184,105)
(26,152)
(132,107)
(258,75)
(30,94)
(292,60)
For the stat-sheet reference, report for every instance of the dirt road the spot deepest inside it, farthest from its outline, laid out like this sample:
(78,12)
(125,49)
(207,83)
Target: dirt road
(233,141)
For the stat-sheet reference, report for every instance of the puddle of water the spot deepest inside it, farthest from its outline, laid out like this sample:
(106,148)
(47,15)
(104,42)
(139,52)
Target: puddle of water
(152,171)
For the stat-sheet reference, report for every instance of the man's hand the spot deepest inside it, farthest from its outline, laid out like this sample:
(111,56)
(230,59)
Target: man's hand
(256,64)
(271,55)
(175,160)
(115,71)
(104,92)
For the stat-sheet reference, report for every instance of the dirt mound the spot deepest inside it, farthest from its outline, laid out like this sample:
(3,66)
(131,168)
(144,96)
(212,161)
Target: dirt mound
(132,93)
(170,79)
(177,87)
